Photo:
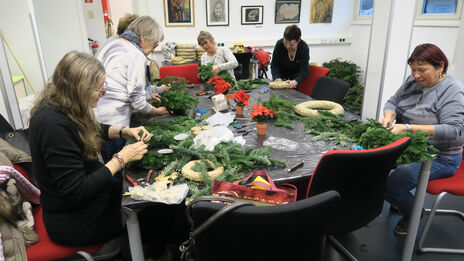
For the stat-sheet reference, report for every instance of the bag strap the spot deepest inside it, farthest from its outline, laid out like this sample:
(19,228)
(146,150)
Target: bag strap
(184,247)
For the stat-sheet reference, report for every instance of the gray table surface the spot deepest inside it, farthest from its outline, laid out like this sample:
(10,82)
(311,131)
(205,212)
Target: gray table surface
(289,145)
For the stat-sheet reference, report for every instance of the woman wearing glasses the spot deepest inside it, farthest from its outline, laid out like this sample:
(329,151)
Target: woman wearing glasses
(125,63)
(81,206)
(290,59)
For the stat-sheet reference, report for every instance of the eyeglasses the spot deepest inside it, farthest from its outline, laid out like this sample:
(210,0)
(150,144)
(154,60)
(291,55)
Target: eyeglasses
(102,90)
(291,43)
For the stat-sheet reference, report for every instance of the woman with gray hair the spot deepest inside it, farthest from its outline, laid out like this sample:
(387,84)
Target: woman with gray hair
(222,58)
(125,63)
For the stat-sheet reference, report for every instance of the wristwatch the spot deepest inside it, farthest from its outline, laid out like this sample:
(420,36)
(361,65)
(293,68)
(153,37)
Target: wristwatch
(408,128)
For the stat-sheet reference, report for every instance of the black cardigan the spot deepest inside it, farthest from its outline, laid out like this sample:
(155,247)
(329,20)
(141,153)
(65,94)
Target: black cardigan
(81,206)
(282,67)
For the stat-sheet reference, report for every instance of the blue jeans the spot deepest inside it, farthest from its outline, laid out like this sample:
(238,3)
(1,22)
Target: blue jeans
(404,178)
(109,148)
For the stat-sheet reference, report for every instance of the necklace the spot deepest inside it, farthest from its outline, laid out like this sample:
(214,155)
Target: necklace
(292,58)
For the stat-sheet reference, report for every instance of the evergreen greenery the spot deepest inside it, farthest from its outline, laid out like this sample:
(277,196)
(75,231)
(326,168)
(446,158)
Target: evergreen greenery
(348,72)
(177,100)
(206,73)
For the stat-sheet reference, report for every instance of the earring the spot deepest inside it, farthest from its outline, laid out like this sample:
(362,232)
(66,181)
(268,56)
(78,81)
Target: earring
(439,76)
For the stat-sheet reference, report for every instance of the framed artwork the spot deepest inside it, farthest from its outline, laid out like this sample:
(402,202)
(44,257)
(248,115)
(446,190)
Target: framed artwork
(287,12)
(252,14)
(217,12)
(179,13)
(321,11)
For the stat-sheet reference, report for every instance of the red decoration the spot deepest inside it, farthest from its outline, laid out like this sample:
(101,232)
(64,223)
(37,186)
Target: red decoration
(220,85)
(261,114)
(241,98)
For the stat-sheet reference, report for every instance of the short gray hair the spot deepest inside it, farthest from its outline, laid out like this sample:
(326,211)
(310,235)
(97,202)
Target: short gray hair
(148,27)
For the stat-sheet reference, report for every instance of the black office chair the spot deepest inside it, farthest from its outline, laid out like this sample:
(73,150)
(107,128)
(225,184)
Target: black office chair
(330,89)
(293,231)
(242,71)
(360,176)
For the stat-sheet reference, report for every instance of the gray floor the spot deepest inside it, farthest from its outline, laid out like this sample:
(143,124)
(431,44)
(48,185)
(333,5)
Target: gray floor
(383,245)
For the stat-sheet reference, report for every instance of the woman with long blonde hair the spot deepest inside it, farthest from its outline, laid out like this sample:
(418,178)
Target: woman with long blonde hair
(81,206)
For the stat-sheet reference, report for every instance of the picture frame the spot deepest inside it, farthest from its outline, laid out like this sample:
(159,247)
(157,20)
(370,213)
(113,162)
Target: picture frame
(217,12)
(287,12)
(179,13)
(252,14)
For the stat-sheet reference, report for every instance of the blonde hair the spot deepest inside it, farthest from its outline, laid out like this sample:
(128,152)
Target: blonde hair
(125,21)
(148,27)
(77,76)
(205,36)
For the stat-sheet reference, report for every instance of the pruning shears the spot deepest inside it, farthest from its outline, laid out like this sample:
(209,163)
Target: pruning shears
(201,111)
(203,93)
(356,147)
(131,181)
(244,132)
(264,90)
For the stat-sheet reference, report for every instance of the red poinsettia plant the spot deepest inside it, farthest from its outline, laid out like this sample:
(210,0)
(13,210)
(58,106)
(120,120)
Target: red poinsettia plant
(261,114)
(220,85)
(241,98)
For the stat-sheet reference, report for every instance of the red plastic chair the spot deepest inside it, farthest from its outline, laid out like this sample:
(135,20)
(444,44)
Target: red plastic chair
(360,176)
(46,249)
(187,71)
(307,85)
(453,185)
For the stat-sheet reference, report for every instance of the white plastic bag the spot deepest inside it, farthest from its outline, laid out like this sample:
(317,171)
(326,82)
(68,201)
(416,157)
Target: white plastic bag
(221,119)
(213,136)
(172,195)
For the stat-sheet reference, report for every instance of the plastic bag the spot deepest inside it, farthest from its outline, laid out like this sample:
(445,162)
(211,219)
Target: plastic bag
(221,119)
(213,136)
(281,144)
(172,195)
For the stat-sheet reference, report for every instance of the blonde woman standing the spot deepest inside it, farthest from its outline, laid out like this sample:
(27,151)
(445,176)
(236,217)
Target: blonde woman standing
(222,58)
(81,206)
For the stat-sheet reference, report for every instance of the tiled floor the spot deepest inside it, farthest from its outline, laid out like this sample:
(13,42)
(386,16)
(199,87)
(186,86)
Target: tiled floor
(383,245)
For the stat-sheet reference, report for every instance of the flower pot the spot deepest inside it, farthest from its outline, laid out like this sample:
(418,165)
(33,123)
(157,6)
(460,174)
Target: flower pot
(227,97)
(261,129)
(239,110)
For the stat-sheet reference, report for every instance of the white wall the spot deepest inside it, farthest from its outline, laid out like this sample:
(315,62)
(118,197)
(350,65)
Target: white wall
(266,34)
(61,28)
(117,9)
(16,27)
(95,24)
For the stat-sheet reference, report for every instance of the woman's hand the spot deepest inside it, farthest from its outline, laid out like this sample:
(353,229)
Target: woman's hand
(134,151)
(216,69)
(134,134)
(165,88)
(292,84)
(155,96)
(160,110)
(398,128)
(388,118)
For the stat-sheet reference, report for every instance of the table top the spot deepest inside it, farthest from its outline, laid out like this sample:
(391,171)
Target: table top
(288,145)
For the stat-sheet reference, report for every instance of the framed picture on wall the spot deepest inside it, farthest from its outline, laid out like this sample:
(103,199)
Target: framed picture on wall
(287,12)
(217,12)
(179,13)
(252,14)
(321,11)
